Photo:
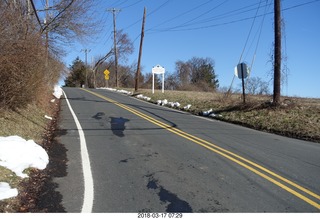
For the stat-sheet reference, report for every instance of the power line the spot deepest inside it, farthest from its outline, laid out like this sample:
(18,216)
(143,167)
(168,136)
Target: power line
(216,17)
(152,12)
(178,28)
(128,6)
(202,14)
(242,10)
(245,45)
(180,15)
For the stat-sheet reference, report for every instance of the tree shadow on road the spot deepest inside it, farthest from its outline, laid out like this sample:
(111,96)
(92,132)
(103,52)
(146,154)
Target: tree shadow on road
(118,125)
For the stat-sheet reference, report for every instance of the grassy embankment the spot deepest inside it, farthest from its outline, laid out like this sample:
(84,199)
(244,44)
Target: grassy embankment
(28,123)
(296,117)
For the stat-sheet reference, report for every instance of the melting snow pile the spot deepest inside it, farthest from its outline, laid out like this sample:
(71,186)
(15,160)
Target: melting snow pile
(140,96)
(6,191)
(124,92)
(115,90)
(187,107)
(17,154)
(57,91)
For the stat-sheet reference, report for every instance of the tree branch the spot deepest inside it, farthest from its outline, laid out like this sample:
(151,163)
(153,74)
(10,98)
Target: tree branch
(56,17)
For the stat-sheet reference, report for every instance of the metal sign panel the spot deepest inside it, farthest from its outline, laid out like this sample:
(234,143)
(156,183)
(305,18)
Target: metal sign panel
(241,70)
(106,72)
(158,70)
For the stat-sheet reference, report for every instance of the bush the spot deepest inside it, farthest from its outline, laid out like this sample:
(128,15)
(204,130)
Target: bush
(23,75)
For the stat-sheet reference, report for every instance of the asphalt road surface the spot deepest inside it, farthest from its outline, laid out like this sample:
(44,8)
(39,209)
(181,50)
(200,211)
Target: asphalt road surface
(131,156)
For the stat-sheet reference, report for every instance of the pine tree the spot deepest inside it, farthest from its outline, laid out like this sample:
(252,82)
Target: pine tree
(76,76)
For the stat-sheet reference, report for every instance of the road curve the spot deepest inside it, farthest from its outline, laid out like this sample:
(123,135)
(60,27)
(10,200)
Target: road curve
(148,158)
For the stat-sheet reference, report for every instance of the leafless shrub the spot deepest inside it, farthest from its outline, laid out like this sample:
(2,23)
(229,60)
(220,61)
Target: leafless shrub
(23,75)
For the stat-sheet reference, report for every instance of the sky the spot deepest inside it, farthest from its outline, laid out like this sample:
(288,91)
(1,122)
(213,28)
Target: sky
(228,31)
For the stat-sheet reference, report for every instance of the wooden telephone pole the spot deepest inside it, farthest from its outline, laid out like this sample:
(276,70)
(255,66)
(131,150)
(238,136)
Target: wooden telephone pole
(136,87)
(46,21)
(114,11)
(277,53)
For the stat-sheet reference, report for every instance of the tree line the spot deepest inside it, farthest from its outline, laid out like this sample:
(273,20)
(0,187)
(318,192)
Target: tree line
(194,74)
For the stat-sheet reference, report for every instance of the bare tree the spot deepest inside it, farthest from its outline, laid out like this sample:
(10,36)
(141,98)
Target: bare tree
(124,47)
(255,85)
(172,82)
(183,72)
(70,19)
(198,73)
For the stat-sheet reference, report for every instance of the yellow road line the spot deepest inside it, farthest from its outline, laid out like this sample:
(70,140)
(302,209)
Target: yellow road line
(225,153)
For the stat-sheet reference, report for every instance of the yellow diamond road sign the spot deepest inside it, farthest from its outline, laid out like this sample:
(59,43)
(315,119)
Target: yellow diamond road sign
(106,74)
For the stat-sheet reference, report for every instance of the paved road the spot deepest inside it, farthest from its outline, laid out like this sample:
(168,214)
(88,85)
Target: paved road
(148,158)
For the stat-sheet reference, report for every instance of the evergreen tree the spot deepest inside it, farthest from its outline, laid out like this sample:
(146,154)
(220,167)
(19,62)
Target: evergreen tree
(77,73)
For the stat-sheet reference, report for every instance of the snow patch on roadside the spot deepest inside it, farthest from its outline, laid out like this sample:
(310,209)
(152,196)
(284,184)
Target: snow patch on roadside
(115,90)
(57,92)
(18,154)
(6,191)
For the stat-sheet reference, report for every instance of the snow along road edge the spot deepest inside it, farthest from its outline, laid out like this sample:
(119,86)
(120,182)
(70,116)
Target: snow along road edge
(86,167)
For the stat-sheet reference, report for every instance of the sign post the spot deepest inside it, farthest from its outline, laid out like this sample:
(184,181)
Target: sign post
(242,72)
(158,69)
(106,76)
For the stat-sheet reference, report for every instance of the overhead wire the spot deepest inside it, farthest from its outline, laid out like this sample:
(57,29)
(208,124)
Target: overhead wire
(225,15)
(195,21)
(148,14)
(121,3)
(246,42)
(128,6)
(202,14)
(139,20)
(242,10)
(176,29)
(259,37)
(179,15)
(245,45)
(258,41)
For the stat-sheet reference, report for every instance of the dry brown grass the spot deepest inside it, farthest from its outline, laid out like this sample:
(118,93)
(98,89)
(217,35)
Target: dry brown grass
(296,117)
(28,123)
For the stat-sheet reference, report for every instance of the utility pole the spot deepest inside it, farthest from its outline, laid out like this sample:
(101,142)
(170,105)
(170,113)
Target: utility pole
(114,11)
(46,21)
(94,72)
(86,51)
(277,53)
(140,51)
(28,9)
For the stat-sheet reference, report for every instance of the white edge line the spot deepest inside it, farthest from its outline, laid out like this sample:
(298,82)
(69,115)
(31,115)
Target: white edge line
(86,168)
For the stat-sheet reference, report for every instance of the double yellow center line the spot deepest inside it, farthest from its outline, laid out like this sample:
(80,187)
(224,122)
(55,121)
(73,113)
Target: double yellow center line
(265,173)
